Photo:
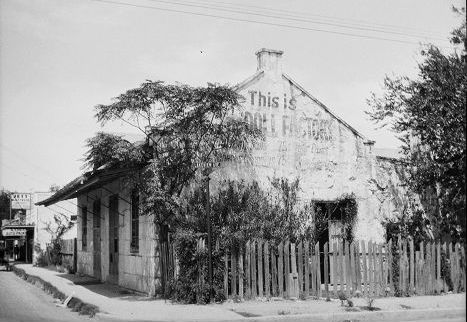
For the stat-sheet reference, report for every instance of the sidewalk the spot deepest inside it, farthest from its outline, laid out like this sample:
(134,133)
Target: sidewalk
(115,302)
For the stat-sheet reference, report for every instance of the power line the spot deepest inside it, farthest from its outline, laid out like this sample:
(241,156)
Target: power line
(259,22)
(292,18)
(308,14)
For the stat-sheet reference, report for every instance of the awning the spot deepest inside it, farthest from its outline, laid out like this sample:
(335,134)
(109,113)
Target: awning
(85,183)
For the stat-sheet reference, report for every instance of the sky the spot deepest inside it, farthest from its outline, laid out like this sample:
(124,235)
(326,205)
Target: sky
(60,58)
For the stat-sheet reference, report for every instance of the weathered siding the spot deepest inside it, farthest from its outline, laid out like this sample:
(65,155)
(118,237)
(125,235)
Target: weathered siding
(136,270)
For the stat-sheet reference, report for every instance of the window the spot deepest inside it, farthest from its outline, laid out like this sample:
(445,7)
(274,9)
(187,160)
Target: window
(134,246)
(84,224)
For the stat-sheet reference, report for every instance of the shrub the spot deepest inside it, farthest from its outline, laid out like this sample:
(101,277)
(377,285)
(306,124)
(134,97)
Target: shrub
(192,285)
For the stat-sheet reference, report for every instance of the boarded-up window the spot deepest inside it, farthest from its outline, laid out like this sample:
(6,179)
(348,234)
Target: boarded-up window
(84,224)
(134,247)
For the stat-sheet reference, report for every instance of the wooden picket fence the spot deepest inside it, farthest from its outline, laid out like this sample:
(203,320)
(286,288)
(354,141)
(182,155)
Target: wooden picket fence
(262,269)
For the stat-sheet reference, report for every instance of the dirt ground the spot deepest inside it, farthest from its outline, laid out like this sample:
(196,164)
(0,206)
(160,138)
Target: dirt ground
(276,306)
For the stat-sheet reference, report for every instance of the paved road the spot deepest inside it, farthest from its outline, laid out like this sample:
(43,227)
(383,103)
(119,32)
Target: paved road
(21,301)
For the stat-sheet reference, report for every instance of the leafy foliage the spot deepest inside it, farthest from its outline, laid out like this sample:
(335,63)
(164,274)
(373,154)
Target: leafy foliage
(429,114)
(188,130)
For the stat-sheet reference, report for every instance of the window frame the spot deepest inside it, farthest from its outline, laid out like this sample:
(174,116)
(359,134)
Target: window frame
(84,227)
(134,221)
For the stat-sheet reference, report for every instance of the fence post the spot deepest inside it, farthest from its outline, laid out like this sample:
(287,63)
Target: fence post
(280,274)
(412,271)
(358,267)
(438,267)
(240,273)
(226,274)
(254,291)
(248,269)
(318,269)
(287,267)
(300,269)
(260,268)
(365,270)
(326,270)
(274,290)
(233,280)
(347,274)
(267,279)
(307,268)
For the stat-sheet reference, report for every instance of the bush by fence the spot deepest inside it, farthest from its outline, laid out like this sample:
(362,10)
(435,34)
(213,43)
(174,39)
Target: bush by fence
(260,269)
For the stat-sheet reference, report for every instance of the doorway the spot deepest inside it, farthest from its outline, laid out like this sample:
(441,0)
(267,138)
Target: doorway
(113,239)
(96,234)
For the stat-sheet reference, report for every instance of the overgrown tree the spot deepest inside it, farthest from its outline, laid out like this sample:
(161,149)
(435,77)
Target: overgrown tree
(189,131)
(429,115)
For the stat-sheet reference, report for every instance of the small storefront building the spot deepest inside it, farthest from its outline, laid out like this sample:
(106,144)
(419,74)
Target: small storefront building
(304,139)
(18,241)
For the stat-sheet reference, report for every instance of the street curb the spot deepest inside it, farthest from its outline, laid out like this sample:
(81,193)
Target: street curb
(75,304)
(406,315)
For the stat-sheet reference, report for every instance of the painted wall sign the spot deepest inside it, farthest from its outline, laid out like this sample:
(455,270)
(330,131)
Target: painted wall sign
(21,201)
(276,116)
(13,232)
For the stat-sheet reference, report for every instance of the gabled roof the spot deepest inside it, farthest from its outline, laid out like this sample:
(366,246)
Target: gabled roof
(260,73)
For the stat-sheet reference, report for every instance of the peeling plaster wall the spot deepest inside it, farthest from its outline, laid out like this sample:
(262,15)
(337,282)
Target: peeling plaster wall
(136,270)
(305,140)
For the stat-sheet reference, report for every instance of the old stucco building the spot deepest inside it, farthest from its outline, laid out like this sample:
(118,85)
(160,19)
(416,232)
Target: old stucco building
(304,140)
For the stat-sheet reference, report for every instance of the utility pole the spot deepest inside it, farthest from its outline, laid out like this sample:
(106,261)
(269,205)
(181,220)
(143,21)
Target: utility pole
(208,216)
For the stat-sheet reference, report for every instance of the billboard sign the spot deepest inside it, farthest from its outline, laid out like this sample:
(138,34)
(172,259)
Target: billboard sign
(21,201)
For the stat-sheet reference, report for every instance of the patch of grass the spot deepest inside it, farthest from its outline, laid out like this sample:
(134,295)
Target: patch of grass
(75,304)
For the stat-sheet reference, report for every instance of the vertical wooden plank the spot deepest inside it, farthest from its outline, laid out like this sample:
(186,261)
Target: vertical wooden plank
(417,272)
(300,269)
(445,252)
(248,270)
(346,268)
(386,269)
(371,280)
(260,268)
(438,268)
(381,270)
(428,267)
(412,267)
(406,267)
(433,267)
(240,274)
(365,270)
(313,270)
(226,274)
(275,290)
(307,269)
(233,280)
(318,270)
(326,270)
(458,266)
(287,266)
(358,270)
(267,278)
(280,274)
(352,268)
(334,270)
(390,269)
(341,266)
(254,290)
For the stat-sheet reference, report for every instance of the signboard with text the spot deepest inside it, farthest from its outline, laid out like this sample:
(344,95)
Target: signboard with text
(20,201)
(13,232)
